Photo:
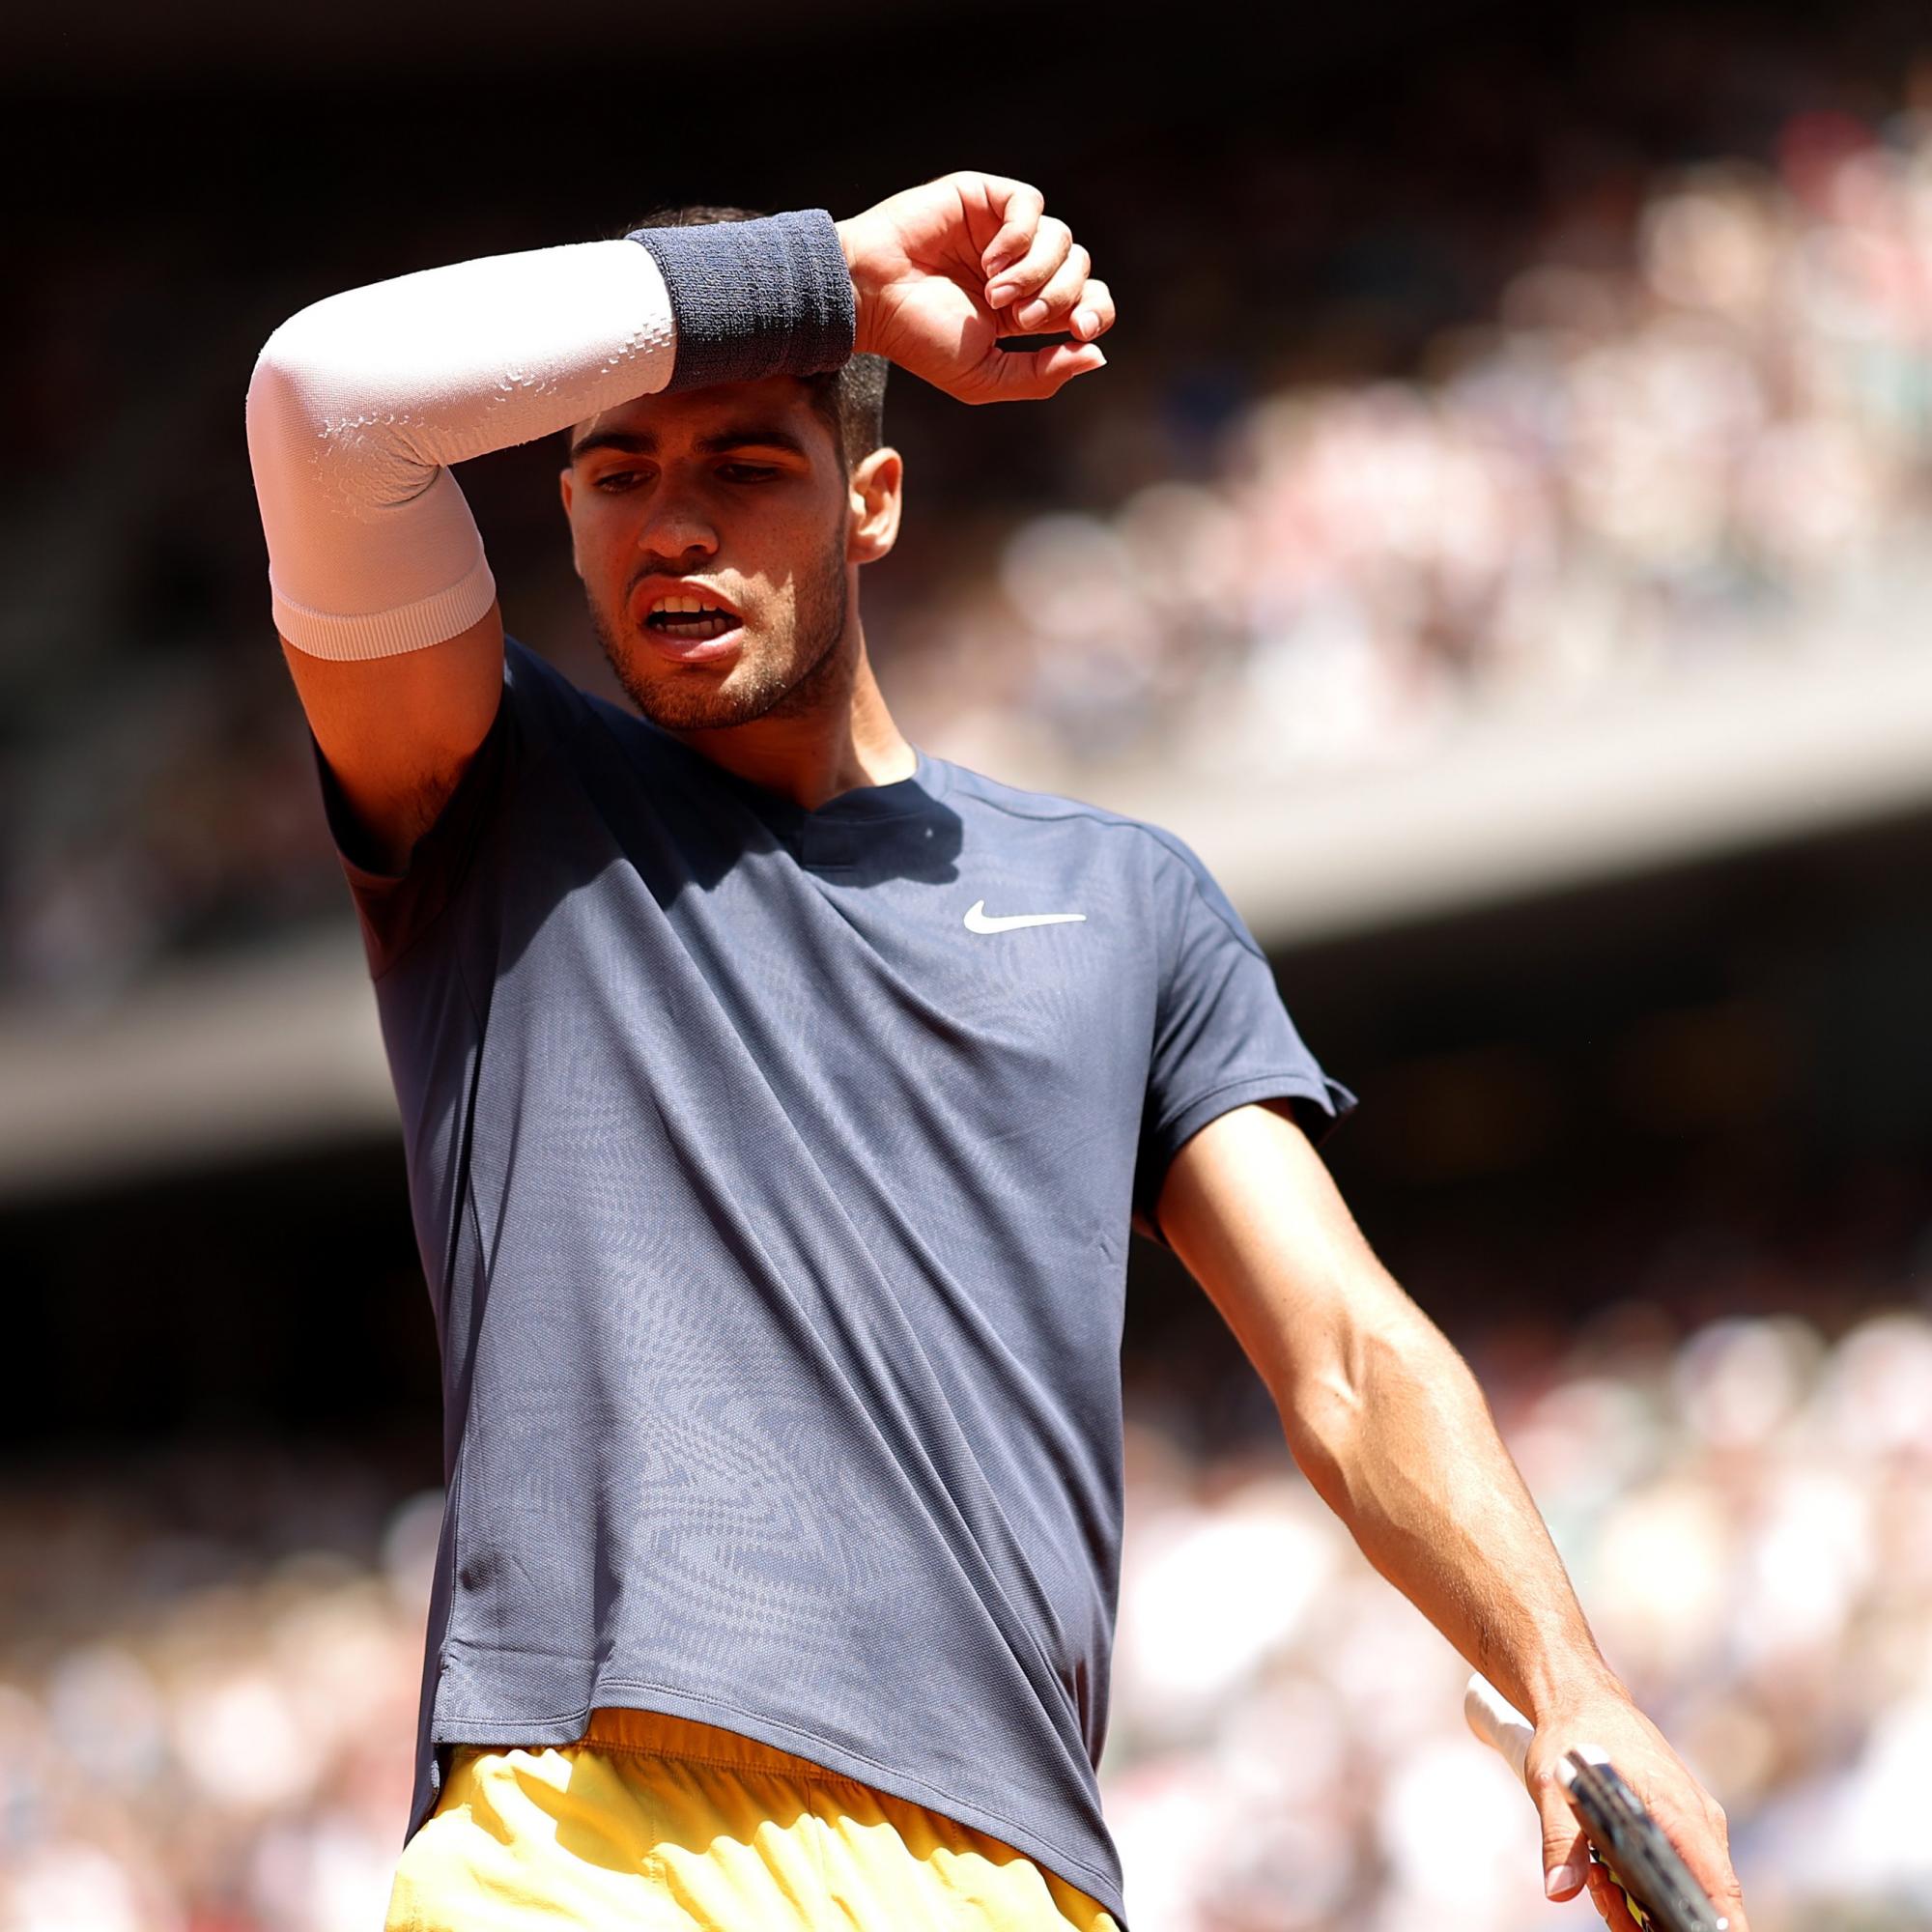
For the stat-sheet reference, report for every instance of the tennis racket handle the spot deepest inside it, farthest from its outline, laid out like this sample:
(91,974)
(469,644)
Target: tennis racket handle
(1498,1722)
(1502,1726)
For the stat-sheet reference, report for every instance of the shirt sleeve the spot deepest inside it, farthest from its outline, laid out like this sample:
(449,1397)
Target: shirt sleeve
(1222,1036)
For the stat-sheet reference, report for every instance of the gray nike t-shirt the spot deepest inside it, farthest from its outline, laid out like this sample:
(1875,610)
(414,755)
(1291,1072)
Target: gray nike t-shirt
(773,1172)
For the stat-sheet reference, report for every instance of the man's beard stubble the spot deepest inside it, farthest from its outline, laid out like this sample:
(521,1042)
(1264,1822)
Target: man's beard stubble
(782,684)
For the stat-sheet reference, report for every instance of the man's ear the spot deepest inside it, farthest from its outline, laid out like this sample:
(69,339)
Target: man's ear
(564,482)
(876,483)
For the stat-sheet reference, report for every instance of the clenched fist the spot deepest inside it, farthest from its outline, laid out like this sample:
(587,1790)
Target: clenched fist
(1692,1819)
(942,271)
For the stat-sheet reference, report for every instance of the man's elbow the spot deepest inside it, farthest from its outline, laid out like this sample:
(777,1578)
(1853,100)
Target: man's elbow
(323,364)
(329,422)
(1324,1404)
(1367,1381)
(284,409)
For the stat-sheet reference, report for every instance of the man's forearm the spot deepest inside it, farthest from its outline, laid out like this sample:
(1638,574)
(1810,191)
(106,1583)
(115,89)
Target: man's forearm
(1408,1455)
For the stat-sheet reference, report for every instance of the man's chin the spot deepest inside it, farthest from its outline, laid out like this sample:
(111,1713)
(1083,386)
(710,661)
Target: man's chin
(697,697)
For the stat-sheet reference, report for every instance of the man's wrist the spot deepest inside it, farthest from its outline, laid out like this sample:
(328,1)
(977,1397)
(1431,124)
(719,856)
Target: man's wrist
(851,247)
(752,298)
(1555,1684)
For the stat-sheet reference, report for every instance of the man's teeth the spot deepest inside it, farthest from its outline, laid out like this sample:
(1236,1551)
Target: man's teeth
(689,617)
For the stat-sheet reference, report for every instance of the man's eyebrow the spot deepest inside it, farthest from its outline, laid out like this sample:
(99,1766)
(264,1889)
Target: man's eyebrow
(751,436)
(737,436)
(637,444)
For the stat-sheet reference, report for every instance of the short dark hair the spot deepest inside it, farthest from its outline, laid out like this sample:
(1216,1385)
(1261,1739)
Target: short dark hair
(851,399)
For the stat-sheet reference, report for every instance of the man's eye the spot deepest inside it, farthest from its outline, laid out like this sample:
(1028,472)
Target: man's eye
(746,472)
(616,479)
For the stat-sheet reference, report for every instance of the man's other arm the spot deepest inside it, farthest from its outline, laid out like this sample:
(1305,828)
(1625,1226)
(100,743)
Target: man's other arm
(1392,1429)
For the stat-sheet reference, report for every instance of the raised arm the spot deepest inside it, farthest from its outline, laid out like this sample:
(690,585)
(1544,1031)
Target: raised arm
(1392,1429)
(359,405)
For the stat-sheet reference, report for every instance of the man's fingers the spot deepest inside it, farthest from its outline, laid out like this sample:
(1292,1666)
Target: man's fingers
(1704,1845)
(1565,1847)
(1019,206)
(1718,1879)
(1717,1875)
(1094,313)
(1053,308)
(1024,375)
(1051,240)
(1609,1900)
(1721,1882)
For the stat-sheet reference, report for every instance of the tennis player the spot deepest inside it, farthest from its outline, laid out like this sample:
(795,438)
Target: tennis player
(778,1101)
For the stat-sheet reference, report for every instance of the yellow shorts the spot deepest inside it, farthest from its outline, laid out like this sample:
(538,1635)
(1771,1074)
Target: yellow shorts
(657,1824)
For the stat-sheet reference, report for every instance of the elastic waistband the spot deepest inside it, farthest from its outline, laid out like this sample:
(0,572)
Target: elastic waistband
(662,1735)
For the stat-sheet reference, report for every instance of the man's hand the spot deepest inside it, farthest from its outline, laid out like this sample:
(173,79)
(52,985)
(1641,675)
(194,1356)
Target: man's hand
(1688,1816)
(942,271)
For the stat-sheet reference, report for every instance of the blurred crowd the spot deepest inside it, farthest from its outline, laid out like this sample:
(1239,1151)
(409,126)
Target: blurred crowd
(208,1665)
(207,1693)
(1706,434)
(1408,444)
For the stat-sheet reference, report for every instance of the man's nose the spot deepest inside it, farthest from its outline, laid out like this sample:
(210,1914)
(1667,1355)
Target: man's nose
(675,524)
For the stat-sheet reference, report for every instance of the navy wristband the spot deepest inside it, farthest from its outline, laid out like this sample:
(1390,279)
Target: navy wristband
(751,299)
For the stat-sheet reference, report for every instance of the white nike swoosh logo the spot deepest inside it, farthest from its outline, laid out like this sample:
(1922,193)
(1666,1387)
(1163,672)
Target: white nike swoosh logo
(976,919)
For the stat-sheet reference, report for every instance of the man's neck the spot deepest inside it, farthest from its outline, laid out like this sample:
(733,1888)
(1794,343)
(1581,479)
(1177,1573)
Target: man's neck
(841,740)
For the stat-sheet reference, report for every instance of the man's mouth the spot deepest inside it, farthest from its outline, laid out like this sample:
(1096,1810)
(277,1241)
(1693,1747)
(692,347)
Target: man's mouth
(689,620)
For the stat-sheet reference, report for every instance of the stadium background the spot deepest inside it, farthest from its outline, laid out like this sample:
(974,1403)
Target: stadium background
(1498,543)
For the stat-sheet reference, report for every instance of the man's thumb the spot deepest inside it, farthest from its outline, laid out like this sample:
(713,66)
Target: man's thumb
(1566,1851)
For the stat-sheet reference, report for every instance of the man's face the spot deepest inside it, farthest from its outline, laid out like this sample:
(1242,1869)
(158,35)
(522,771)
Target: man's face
(733,498)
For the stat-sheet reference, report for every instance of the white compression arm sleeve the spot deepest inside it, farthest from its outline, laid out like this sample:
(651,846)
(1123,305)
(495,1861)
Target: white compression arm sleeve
(359,402)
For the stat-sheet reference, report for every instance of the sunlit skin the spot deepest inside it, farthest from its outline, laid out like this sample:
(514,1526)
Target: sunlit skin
(737,489)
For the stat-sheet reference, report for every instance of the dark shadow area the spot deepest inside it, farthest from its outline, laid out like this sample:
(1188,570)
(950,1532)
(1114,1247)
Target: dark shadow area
(269,1299)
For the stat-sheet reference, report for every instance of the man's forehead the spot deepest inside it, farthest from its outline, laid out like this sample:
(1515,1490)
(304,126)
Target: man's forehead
(693,415)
